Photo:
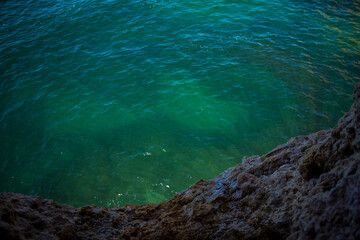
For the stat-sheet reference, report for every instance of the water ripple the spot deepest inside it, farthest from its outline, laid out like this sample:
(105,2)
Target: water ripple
(109,102)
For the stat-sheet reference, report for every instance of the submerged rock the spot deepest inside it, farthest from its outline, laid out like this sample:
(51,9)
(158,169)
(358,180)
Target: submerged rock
(308,188)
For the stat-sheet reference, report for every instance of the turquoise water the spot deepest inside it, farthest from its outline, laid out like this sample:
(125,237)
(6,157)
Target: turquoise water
(119,102)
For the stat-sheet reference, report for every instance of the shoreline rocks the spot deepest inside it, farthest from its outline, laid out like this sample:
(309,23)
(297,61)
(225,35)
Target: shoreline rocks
(307,188)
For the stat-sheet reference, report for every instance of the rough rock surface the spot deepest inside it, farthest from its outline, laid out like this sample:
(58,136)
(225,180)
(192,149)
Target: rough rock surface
(308,188)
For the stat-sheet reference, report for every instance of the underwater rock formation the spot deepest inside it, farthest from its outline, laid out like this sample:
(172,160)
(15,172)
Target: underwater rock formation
(308,188)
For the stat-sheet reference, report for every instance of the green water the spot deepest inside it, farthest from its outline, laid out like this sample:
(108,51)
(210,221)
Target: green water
(129,102)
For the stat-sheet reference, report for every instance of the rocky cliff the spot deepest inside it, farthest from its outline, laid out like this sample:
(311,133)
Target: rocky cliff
(308,188)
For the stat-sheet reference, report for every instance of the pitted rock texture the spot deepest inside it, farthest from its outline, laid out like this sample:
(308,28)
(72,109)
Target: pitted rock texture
(308,188)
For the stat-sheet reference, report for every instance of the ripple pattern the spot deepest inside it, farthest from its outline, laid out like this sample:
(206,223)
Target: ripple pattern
(117,102)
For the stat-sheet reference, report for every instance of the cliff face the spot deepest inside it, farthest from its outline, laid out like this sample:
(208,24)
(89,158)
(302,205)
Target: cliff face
(308,188)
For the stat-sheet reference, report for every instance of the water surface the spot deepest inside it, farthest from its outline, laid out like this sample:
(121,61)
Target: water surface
(119,102)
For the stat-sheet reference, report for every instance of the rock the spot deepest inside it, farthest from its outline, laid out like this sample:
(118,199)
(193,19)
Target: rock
(307,188)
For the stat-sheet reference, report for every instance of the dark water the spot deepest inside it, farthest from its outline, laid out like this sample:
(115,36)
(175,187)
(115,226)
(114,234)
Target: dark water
(118,102)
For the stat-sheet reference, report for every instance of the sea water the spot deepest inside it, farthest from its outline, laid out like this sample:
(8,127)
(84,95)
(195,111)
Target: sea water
(131,101)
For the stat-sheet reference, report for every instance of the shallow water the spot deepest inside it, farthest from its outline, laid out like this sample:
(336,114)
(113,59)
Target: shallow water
(119,102)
